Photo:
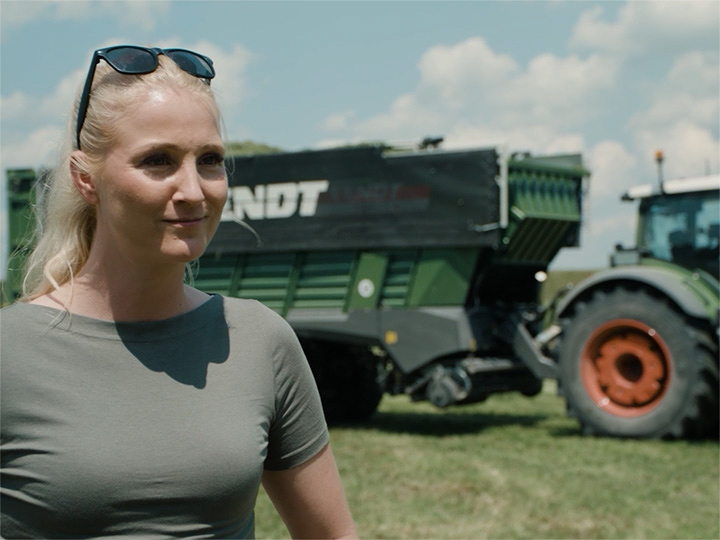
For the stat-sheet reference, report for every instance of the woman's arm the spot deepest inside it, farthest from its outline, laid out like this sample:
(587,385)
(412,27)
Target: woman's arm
(310,498)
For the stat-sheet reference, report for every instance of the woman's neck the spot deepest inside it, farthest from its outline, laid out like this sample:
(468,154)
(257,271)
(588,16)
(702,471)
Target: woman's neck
(126,294)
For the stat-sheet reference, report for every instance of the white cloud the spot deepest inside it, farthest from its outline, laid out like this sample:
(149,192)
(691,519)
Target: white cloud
(557,90)
(696,72)
(454,77)
(613,170)
(689,92)
(609,220)
(81,9)
(453,73)
(58,104)
(649,28)
(450,80)
(598,238)
(54,106)
(38,149)
(230,84)
(407,117)
(666,110)
(16,13)
(143,13)
(546,106)
(472,95)
(606,220)
(689,149)
(475,96)
(14,106)
(537,138)
(591,31)
(338,121)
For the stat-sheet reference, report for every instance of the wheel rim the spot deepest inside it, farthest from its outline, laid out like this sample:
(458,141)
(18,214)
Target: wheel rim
(625,367)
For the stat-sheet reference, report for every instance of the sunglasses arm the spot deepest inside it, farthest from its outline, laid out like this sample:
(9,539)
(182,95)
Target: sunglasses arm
(85,98)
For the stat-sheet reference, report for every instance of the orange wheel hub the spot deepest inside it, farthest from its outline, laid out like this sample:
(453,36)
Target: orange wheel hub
(625,367)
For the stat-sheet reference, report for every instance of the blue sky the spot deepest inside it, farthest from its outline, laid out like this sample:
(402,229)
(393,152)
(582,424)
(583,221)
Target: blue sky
(612,80)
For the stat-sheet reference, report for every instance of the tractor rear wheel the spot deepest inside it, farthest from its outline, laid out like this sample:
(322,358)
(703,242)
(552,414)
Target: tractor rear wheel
(347,379)
(632,365)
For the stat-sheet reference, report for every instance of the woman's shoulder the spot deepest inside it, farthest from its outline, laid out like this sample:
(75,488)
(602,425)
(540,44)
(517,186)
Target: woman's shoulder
(9,314)
(22,319)
(19,312)
(252,322)
(246,310)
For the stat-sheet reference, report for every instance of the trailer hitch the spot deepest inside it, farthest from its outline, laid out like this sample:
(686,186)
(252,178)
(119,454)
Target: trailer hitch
(529,350)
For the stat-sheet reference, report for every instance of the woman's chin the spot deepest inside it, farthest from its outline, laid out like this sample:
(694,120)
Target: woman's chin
(185,251)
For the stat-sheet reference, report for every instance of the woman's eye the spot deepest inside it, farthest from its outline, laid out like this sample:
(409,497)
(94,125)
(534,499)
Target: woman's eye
(156,160)
(212,159)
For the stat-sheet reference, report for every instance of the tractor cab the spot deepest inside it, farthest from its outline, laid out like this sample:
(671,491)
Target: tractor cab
(680,222)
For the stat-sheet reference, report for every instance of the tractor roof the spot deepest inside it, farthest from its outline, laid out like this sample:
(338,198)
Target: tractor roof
(679,185)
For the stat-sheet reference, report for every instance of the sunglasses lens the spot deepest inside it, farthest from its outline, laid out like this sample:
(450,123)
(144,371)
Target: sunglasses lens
(131,60)
(192,63)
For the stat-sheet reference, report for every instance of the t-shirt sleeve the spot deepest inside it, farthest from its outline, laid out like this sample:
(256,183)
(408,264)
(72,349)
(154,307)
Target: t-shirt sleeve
(298,431)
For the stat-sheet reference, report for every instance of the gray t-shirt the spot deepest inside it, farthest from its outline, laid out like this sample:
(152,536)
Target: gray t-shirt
(152,429)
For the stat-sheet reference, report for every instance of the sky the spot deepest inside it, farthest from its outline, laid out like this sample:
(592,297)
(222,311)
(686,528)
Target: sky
(614,81)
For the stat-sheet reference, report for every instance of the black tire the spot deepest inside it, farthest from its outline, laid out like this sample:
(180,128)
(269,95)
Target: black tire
(532,387)
(632,365)
(347,379)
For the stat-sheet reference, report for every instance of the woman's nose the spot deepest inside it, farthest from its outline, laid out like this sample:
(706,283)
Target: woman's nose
(188,188)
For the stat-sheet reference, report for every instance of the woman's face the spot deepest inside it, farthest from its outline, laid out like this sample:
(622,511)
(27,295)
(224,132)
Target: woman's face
(162,187)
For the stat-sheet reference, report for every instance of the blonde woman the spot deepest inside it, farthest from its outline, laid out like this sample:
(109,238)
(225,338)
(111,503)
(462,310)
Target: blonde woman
(132,403)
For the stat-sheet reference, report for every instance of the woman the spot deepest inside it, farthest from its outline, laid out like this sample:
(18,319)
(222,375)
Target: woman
(132,403)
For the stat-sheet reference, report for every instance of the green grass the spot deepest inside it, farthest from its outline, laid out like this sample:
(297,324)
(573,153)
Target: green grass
(515,467)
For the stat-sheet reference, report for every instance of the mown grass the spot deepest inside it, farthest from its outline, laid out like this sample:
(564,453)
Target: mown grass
(515,467)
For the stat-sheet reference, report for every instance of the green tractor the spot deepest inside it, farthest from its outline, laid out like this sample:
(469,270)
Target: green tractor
(638,346)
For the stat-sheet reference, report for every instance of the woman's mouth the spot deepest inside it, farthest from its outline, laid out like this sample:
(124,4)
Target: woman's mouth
(184,222)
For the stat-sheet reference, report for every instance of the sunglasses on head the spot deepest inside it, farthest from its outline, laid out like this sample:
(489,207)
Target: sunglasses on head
(135,60)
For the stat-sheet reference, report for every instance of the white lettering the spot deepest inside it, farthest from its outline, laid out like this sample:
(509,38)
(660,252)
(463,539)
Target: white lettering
(282,200)
(247,203)
(310,191)
(273,201)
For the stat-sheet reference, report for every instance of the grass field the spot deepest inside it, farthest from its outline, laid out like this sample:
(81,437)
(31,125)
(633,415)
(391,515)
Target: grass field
(515,467)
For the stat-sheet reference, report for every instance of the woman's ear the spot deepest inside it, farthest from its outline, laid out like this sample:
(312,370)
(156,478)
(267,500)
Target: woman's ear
(82,179)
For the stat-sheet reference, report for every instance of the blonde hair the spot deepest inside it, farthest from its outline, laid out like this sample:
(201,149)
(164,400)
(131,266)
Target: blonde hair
(66,220)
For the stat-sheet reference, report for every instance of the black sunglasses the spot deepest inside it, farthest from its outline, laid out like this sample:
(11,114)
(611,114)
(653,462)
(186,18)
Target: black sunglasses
(135,60)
